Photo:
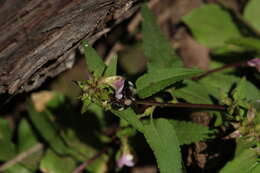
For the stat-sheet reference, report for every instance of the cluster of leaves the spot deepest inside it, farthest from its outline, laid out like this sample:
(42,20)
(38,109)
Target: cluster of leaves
(57,139)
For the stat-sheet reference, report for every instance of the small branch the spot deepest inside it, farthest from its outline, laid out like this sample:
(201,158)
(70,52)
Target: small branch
(236,64)
(89,161)
(182,105)
(21,157)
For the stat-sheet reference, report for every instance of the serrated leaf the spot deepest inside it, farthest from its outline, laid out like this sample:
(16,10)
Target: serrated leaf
(131,117)
(94,62)
(246,91)
(251,13)
(161,136)
(155,81)
(244,162)
(46,128)
(193,92)
(220,84)
(7,148)
(52,163)
(111,69)
(188,132)
(157,48)
(211,25)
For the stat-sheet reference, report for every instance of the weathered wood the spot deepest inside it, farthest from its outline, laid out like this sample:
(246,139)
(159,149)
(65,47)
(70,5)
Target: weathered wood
(38,37)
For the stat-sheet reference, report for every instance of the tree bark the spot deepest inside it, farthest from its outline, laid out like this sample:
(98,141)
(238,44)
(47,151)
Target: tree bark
(38,37)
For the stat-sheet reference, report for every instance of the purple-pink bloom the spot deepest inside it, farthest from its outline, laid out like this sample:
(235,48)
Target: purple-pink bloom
(255,62)
(126,159)
(119,85)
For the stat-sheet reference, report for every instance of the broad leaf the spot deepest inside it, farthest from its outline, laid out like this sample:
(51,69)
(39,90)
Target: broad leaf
(244,162)
(153,82)
(52,163)
(252,13)
(157,48)
(188,132)
(18,168)
(211,25)
(94,63)
(131,117)
(161,136)
(193,92)
(111,69)
(247,43)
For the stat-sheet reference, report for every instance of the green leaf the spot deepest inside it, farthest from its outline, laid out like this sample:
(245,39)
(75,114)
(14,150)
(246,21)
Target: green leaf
(52,163)
(112,67)
(46,128)
(7,148)
(27,140)
(246,91)
(99,113)
(252,13)
(188,132)
(94,62)
(18,168)
(244,162)
(161,136)
(247,43)
(86,104)
(157,48)
(131,117)
(193,92)
(153,82)
(211,25)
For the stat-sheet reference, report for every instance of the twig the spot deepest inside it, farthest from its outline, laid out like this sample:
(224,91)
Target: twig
(21,157)
(89,161)
(182,105)
(236,64)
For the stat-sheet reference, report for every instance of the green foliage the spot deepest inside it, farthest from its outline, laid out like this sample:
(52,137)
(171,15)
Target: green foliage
(157,48)
(7,147)
(161,136)
(252,12)
(193,92)
(211,25)
(188,132)
(155,81)
(52,163)
(93,60)
(246,161)
(112,67)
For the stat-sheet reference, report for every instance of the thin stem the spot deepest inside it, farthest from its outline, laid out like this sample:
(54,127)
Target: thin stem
(21,157)
(182,105)
(89,161)
(236,64)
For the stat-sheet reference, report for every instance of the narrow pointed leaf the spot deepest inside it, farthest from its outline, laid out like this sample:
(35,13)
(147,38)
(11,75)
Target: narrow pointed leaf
(153,82)
(157,48)
(112,67)
(94,62)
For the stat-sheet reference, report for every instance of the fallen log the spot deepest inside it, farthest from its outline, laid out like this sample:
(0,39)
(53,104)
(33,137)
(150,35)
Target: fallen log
(39,37)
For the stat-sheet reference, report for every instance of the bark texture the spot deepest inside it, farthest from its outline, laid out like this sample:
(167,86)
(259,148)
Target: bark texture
(38,37)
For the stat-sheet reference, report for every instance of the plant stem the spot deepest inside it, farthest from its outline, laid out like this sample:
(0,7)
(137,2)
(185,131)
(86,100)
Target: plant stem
(236,64)
(182,105)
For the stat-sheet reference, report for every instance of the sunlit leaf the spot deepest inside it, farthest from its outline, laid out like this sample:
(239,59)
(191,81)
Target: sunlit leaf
(111,69)
(252,13)
(211,25)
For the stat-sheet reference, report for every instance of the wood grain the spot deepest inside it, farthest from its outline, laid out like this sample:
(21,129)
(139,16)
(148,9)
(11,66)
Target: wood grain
(38,37)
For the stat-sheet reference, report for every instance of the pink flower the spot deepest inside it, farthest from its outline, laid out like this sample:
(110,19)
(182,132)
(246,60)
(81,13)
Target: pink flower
(126,159)
(255,62)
